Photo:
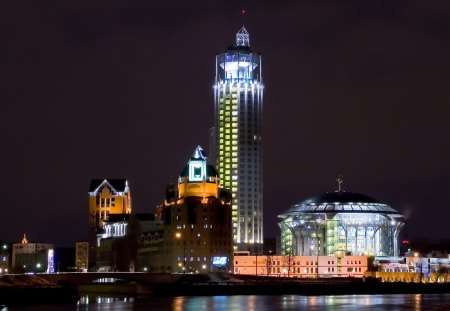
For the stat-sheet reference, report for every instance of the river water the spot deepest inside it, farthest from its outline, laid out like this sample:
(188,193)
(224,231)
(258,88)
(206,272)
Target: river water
(256,303)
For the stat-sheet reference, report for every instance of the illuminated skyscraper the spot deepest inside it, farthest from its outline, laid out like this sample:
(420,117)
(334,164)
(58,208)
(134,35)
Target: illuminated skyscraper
(238,94)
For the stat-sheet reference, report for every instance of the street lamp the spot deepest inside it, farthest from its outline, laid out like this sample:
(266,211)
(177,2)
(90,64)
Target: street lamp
(178,236)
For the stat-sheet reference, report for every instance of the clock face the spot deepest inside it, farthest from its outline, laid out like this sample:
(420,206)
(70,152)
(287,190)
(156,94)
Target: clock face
(197,170)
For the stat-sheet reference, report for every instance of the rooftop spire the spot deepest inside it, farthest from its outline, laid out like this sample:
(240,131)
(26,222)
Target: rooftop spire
(242,37)
(340,180)
(24,240)
(199,153)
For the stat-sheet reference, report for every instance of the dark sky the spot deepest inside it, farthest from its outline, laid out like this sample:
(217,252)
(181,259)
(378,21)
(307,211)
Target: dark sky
(123,89)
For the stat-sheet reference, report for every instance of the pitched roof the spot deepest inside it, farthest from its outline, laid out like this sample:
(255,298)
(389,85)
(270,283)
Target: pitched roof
(117,184)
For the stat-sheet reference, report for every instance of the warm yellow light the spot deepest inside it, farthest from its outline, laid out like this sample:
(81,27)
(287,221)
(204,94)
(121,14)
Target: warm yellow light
(178,235)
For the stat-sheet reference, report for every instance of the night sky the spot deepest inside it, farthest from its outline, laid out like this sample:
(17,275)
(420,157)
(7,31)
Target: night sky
(123,89)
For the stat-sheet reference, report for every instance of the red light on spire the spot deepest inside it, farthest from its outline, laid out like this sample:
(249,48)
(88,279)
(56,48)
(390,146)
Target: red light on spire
(243,11)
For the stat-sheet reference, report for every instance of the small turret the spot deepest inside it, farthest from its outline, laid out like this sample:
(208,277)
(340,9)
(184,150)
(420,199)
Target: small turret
(24,239)
(242,37)
(198,178)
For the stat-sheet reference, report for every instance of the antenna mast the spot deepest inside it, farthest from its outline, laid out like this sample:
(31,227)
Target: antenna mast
(340,180)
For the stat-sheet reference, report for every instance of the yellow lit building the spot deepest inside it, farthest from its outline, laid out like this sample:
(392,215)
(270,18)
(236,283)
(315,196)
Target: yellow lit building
(197,223)
(106,196)
(238,98)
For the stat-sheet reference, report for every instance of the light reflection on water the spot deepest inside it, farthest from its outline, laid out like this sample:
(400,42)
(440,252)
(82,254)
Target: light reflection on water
(262,303)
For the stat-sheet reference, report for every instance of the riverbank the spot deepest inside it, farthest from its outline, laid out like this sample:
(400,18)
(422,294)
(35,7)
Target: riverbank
(250,285)
(30,289)
(37,295)
(215,285)
(299,288)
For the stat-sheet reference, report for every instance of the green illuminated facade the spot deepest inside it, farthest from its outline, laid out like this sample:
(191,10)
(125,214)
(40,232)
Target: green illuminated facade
(340,222)
(238,117)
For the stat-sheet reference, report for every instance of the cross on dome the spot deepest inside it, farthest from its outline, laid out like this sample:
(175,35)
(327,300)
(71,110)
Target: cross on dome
(340,180)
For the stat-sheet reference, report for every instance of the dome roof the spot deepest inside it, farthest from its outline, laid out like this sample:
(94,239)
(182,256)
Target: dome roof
(340,202)
(199,155)
(210,171)
(341,197)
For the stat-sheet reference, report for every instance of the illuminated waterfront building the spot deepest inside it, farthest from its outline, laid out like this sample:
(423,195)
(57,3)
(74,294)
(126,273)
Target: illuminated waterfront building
(117,248)
(301,266)
(189,232)
(106,196)
(238,95)
(32,257)
(340,222)
(196,217)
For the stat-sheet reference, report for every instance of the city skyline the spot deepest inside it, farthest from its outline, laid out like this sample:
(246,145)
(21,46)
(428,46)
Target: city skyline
(125,90)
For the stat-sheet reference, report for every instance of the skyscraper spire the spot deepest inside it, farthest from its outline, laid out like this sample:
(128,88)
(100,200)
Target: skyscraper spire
(242,37)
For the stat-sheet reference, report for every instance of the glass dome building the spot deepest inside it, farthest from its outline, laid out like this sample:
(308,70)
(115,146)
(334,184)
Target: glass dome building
(340,223)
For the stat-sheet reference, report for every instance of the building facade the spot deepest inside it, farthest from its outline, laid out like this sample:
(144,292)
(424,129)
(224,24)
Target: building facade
(81,256)
(106,196)
(117,242)
(301,266)
(190,232)
(340,221)
(196,217)
(32,257)
(238,96)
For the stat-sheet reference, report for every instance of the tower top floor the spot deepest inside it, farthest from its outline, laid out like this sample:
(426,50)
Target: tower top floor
(239,63)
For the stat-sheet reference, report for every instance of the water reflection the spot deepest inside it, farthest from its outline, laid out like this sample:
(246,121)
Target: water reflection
(95,302)
(263,303)
(89,299)
(417,300)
